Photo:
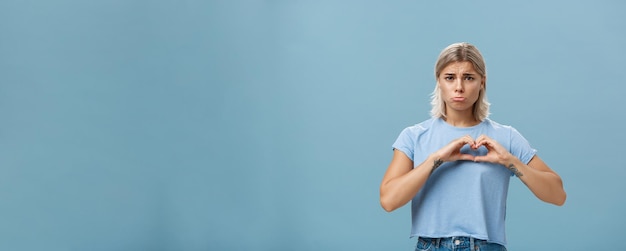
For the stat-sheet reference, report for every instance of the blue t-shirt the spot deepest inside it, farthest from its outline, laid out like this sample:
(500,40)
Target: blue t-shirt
(461,198)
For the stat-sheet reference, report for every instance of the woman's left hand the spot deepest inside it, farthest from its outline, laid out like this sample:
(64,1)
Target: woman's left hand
(496,153)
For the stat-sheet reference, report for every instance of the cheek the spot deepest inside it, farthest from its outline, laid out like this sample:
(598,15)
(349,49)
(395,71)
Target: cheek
(477,95)
(446,89)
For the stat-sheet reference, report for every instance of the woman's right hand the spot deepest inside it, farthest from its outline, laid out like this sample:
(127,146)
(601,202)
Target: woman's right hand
(452,151)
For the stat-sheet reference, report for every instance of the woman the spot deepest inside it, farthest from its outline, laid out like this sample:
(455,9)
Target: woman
(455,167)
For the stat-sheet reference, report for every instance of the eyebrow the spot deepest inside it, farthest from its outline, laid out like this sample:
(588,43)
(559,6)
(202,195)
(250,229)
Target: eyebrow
(464,74)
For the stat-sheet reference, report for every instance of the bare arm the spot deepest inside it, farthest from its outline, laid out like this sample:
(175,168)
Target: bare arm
(402,182)
(540,179)
(537,176)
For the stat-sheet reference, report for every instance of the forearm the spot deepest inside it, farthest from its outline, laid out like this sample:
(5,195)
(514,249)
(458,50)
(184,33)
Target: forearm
(546,185)
(398,191)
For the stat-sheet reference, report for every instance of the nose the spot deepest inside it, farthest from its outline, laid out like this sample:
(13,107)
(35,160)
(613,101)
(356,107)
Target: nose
(458,86)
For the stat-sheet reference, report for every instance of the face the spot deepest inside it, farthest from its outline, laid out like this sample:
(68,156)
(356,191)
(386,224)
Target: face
(460,85)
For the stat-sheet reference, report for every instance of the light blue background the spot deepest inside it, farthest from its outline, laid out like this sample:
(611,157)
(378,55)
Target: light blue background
(267,125)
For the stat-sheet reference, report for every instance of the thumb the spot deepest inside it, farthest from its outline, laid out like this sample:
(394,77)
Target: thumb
(467,157)
(481,159)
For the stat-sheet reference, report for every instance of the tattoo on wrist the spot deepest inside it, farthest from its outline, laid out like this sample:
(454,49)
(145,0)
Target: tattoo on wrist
(436,164)
(514,170)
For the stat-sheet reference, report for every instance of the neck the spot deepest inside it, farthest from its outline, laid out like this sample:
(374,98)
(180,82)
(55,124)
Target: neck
(465,119)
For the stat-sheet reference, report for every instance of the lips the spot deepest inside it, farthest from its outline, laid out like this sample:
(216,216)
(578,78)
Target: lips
(458,99)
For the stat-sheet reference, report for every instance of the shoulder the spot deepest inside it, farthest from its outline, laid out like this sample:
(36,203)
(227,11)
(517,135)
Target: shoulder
(408,138)
(506,131)
(420,128)
(498,126)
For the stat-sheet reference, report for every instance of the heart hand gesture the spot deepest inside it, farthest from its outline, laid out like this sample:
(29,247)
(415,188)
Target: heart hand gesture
(496,153)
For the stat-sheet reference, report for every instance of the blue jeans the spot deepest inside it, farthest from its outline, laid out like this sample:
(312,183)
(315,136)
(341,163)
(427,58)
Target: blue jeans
(456,244)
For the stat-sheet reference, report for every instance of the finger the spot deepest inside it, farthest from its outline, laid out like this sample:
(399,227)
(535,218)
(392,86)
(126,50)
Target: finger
(484,158)
(467,157)
(484,137)
(485,141)
(475,145)
(493,145)
(466,139)
(460,142)
(478,143)
(481,137)
(479,159)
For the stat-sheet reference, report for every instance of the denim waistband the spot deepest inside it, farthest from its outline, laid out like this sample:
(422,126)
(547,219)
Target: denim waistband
(457,242)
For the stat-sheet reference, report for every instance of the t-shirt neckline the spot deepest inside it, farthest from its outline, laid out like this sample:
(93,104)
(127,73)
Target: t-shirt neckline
(441,121)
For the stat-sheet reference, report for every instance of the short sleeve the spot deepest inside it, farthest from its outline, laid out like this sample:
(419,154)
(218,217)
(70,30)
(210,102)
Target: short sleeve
(405,142)
(520,147)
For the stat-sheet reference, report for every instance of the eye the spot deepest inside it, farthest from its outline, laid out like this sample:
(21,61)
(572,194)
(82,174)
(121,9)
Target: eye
(469,78)
(448,78)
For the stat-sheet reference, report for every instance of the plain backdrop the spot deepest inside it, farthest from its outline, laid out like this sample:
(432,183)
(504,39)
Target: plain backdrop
(267,125)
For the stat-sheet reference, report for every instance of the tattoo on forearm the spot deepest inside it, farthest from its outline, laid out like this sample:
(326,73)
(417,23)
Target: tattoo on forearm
(436,164)
(515,171)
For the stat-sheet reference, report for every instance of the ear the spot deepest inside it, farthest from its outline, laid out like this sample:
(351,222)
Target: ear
(483,85)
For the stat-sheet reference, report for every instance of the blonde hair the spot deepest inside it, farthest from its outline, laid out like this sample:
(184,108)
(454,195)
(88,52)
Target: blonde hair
(460,52)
